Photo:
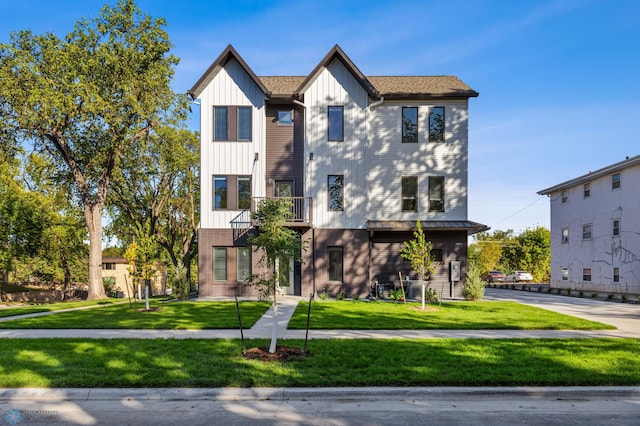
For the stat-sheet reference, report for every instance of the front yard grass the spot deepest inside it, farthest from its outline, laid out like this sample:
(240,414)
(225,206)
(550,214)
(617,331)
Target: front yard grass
(8,310)
(172,316)
(357,362)
(448,316)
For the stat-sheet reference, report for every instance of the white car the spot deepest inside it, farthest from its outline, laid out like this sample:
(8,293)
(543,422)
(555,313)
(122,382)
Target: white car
(519,276)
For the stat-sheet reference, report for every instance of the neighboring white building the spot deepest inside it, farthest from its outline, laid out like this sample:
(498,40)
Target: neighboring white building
(363,158)
(595,230)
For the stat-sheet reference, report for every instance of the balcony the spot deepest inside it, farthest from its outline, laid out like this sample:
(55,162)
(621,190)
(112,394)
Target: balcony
(301,209)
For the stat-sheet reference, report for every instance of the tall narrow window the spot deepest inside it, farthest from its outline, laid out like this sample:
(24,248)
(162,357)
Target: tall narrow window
(436,124)
(409,124)
(565,235)
(336,123)
(335,263)
(616,228)
(565,274)
(219,264)
(616,275)
(244,123)
(244,263)
(409,194)
(336,192)
(220,124)
(436,193)
(586,274)
(586,232)
(244,192)
(219,192)
(586,190)
(615,181)
(565,197)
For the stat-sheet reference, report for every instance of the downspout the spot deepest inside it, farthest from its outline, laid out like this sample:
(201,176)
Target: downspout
(313,228)
(366,167)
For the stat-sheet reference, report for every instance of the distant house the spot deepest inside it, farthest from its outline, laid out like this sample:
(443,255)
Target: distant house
(361,158)
(115,270)
(595,230)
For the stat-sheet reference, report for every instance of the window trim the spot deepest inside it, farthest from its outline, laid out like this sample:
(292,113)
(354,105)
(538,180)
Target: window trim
(226,123)
(238,115)
(587,235)
(616,181)
(329,134)
(329,198)
(329,264)
(444,127)
(243,178)
(405,136)
(226,260)
(442,192)
(213,192)
(404,197)
(586,274)
(285,124)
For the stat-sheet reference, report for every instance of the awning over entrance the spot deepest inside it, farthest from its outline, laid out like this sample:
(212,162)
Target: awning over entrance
(427,225)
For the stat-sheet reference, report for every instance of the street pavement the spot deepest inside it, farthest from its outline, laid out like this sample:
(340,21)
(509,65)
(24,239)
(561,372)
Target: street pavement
(342,406)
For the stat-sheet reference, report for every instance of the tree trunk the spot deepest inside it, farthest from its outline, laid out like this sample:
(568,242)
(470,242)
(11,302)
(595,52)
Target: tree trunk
(93,216)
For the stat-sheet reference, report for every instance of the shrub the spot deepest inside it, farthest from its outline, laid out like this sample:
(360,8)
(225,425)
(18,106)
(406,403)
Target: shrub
(340,296)
(324,295)
(431,295)
(355,297)
(473,288)
(109,284)
(179,283)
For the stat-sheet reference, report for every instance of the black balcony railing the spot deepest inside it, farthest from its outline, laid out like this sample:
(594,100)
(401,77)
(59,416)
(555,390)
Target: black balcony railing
(301,210)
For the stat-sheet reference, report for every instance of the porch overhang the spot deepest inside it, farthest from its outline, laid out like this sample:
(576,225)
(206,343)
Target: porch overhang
(428,226)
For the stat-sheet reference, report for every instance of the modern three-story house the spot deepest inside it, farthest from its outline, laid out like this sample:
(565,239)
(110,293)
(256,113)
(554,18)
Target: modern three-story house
(361,158)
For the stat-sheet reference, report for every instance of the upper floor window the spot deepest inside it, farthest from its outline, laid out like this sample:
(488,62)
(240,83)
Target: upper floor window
(336,123)
(219,192)
(615,181)
(410,194)
(244,123)
(616,228)
(409,124)
(220,124)
(586,190)
(586,232)
(565,235)
(231,123)
(335,263)
(336,192)
(285,118)
(109,266)
(244,192)
(565,197)
(436,193)
(436,124)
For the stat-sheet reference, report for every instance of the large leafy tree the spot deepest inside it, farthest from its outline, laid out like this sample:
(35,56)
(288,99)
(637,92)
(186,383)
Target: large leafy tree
(87,100)
(158,197)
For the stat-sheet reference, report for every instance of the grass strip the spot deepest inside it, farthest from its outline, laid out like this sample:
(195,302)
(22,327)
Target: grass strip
(448,316)
(168,316)
(50,307)
(359,362)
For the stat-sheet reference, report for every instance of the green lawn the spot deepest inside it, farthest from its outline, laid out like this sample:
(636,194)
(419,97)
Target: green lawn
(358,362)
(173,316)
(448,316)
(10,311)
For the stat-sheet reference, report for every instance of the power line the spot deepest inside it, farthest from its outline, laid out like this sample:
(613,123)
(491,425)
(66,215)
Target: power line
(519,211)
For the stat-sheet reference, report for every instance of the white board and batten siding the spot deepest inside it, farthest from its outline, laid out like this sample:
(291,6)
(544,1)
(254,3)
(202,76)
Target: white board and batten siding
(232,86)
(389,160)
(335,86)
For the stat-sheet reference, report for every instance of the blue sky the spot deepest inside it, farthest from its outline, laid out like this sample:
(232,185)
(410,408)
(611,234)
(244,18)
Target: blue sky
(558,79)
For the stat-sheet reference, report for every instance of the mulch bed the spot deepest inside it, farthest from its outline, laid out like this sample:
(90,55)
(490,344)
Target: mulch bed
(283,353)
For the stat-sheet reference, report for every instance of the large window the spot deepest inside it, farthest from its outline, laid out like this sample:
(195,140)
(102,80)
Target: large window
(436,193)
(336,123)
(219,192)
(244,263)
(244,192)
(436,124)
(615,181)
(220,124)
(586,232)
(336,192)
(335,263)
(409,194)
(244,123)
(219,264)
(409,124)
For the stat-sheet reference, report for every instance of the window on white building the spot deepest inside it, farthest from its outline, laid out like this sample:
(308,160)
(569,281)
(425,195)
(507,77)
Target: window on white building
(615,181)
(586,232)
(616,275)
(565,274)
(616,228)
(436,124)
(565,197)
(586,190)
(586,274)
(336,123)
(409,124)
